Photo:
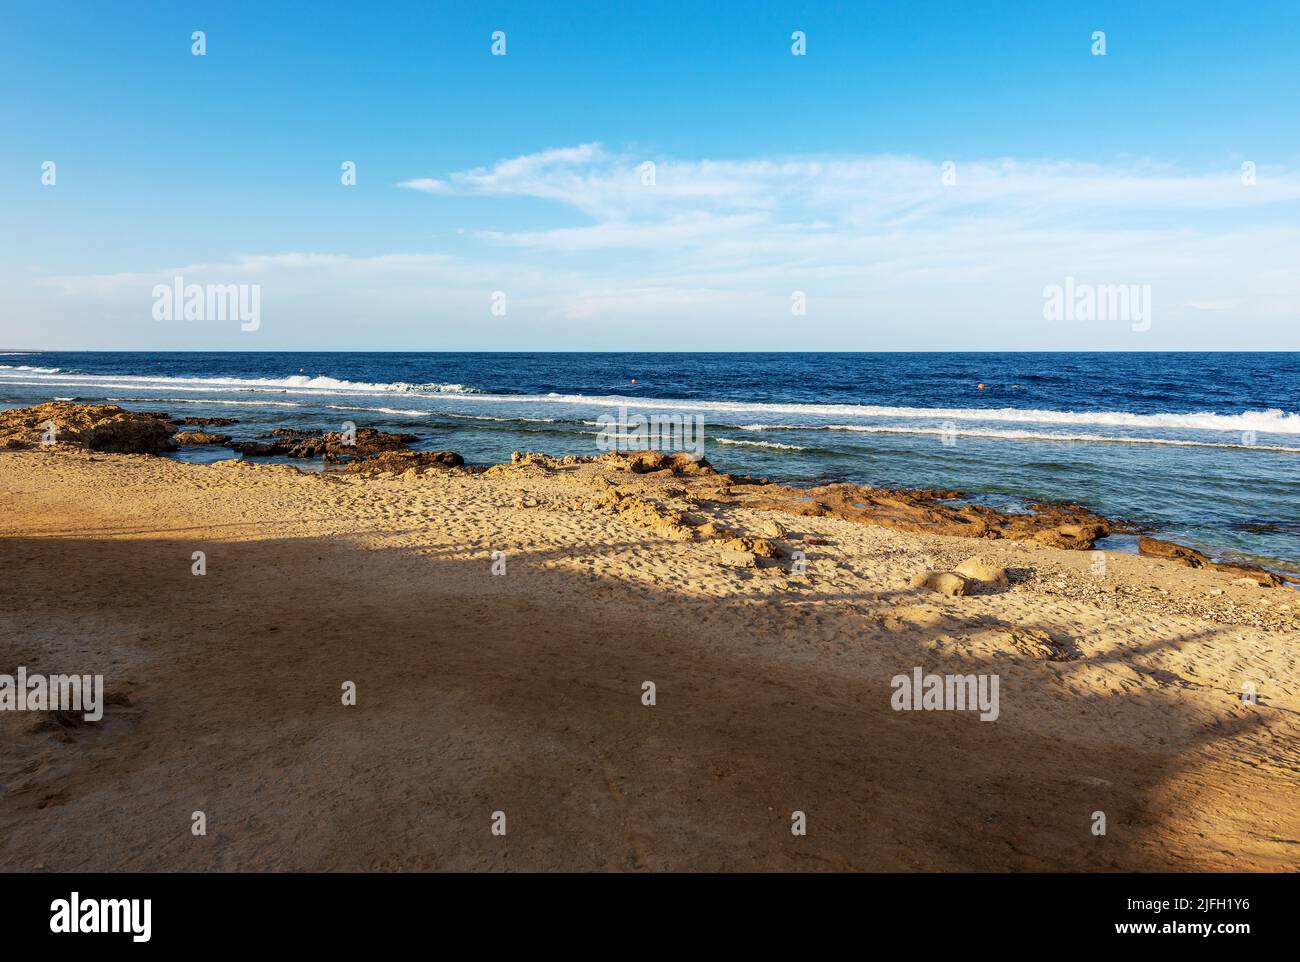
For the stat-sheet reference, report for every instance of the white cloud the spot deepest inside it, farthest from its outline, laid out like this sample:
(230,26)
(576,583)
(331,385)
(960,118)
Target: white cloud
(427,185)
(708,256)
(859,191)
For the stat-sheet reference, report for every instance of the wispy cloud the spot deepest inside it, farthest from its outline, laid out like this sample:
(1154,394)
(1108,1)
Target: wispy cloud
(877,191)
(889,251)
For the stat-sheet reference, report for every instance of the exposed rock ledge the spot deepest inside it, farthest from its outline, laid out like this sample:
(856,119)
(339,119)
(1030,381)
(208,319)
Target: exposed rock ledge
(1191,558)
(1070,526)
(95,427)
(108,428)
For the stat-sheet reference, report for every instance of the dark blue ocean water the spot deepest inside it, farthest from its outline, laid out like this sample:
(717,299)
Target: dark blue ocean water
(1204,448)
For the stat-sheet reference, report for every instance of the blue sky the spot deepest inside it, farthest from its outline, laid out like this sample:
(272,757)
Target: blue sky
(774,174)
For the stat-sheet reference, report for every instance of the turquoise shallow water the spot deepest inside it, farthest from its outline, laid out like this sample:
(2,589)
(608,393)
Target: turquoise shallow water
(1202,448)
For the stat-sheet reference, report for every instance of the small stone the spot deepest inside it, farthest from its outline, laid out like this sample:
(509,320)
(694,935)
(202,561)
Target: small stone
(944,582)
(984,570)
(757,546)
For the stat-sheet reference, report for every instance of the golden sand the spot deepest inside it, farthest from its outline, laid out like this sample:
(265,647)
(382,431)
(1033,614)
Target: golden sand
(522,693)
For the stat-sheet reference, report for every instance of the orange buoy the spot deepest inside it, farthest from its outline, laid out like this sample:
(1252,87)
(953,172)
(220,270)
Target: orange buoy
(981,387)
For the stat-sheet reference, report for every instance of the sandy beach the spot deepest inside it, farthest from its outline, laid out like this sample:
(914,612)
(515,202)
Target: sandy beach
(522,692)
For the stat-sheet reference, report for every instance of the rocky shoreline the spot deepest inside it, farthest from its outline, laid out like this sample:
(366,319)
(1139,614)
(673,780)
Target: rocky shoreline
(111,429)
(500,623)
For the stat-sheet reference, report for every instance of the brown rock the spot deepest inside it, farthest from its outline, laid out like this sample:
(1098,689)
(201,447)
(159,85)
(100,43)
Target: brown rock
(399,462)
(536,459)
(1262,577)
(711,529)
(930,511)
(1154,548)
(1191,558)
(291,443)
(984,570)
(761,547)
(807,508)
(945,582)
(95,427)
(255,448)
(673,530)
(184,438)
(1073,537)
(646,462)
(665,522)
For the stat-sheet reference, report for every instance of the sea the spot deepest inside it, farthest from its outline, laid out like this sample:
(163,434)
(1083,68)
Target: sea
(1202,449)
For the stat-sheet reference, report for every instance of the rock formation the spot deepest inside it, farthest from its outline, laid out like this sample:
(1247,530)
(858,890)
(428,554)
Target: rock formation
(95,427)
(930,511)
(332,445)
(1191,558)
(184,438)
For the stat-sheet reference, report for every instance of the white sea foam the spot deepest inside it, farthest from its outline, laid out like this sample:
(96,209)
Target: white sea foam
(489,417)
(229,402)
(379,410)
(1274,421)
(1016,435)
(293,384)
(761,444)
